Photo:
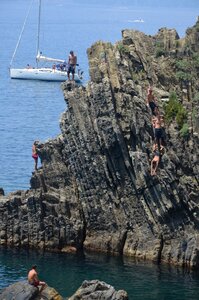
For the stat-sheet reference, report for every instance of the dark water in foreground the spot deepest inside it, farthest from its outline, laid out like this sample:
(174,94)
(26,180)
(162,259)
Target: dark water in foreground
(65,272)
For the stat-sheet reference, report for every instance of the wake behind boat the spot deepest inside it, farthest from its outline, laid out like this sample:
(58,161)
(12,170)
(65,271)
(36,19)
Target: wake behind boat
(58,71)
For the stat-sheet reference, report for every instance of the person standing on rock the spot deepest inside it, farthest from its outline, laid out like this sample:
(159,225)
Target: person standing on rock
(34,280)
(72,62)
(35,155)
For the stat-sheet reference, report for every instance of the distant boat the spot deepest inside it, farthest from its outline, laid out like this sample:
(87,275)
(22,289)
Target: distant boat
(57,71)
(136,21)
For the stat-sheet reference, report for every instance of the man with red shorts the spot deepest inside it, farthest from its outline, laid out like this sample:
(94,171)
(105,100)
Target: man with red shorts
(33,278)
(35,155)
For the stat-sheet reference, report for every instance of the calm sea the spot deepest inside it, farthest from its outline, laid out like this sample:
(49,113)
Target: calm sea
(142,281)
(31,110)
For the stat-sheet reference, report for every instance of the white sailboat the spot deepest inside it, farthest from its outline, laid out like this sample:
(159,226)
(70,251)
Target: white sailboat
(57,71)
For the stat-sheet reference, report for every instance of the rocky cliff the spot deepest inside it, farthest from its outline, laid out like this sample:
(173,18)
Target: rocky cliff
(94,190)
(93,289)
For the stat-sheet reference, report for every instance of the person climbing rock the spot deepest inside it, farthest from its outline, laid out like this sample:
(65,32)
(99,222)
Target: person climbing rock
(34,280)
(35,155)
(156,159)
(164,137)
(158,132)
(151,102)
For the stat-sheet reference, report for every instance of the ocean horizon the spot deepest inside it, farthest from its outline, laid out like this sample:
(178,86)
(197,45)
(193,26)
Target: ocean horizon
(30,110)
(60,32)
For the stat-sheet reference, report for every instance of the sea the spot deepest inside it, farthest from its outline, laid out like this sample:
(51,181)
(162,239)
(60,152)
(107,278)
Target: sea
(30,110)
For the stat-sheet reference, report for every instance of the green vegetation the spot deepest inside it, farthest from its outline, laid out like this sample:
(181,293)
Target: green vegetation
(196,60)
(182,64)
(123,48)
(196,98)
(183,70)
(183,76)
(159,52)
(181,116)
(194,114)
(159,49)
(187,68)
(184,131)
(175,110)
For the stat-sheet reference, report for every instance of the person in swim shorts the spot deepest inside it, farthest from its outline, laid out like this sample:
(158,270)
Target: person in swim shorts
(151,102)
(156,159)
(33,278)
(72,62)
(35,155)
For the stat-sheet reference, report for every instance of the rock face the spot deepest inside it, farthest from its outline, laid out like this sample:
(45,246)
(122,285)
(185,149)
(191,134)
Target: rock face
(93,289)
(94,190)
(96,289)
(24,291)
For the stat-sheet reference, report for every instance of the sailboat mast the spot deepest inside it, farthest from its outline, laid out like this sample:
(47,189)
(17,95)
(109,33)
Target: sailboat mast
(22,30)
(38,31)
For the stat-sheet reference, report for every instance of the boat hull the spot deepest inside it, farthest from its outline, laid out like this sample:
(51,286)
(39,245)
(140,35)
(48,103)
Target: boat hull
(46,74)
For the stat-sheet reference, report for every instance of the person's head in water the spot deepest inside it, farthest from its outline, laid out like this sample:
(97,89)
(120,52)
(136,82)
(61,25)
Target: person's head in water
(71,52)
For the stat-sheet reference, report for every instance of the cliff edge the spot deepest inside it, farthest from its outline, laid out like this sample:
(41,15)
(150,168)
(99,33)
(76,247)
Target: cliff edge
(94,190)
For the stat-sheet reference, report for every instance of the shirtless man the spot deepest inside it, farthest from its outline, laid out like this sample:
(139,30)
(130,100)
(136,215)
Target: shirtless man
(72,61)
(158,132)
(155,161)
(151,102)
(34,280)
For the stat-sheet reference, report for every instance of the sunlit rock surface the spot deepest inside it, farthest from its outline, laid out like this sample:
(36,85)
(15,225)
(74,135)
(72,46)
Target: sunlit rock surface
(94,190)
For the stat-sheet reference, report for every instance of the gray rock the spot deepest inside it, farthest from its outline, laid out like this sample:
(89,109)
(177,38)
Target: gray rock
(19,291)
(96,289)
(94,190)
(24,291)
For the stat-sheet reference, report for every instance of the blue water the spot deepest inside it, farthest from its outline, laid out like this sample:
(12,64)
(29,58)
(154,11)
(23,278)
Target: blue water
(142,281)
(31,110)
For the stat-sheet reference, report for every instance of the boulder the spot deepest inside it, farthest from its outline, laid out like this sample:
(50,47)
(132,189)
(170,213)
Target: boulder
(96,289)
(19,291)
(24,291)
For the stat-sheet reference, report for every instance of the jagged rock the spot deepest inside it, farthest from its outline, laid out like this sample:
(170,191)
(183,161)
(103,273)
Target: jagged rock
(93,289)
(24,291)
(96,289)
(19,291)
(2,192)
(94,190)
(49,293)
